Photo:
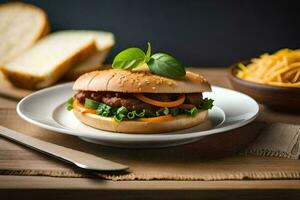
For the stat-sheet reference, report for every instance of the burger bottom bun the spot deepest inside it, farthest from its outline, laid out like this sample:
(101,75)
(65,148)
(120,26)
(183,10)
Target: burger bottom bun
(133,126)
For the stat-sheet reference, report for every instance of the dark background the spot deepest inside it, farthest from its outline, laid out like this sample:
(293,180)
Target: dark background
(199,33)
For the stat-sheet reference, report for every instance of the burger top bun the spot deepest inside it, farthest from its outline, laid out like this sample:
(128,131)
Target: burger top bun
(140,80)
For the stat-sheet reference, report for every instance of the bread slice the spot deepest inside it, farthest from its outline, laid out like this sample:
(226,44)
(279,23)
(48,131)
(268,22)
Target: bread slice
(92,63)
(49,59)
(104,42)
(21,25)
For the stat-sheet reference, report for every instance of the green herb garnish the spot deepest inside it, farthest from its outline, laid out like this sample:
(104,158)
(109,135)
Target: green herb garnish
(149,113)
(206,104)
(160,63)
(121,113)
(90,103)
(70,104)
(162,111)
(103,110)
(193,112)
(174,111)
(166,111)
(140,114)
(135,114)
(122,110)
(119,118)
(131,115)
(166,65)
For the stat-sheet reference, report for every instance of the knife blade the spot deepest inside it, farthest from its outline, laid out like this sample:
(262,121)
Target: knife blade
(78,158)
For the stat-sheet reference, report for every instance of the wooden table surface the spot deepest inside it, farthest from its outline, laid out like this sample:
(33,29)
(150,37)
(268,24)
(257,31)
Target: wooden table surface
(35,187)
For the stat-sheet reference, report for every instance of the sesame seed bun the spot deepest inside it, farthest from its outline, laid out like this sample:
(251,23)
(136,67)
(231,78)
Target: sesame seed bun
(179,122)
(140,80)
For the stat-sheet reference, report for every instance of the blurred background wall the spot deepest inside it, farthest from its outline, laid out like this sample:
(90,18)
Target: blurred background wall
(200,33)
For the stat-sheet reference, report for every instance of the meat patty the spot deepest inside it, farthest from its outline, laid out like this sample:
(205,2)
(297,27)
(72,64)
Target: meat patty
(81,95)
(126,100)
(194,98)
(117,99)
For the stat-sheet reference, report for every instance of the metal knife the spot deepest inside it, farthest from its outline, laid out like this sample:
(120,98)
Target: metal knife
(78,158)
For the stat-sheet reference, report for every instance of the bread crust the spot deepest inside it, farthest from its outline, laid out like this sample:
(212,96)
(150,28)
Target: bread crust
(138,127)
(140,80)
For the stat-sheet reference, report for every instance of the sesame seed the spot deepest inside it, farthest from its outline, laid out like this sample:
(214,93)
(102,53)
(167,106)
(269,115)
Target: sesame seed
(153,88)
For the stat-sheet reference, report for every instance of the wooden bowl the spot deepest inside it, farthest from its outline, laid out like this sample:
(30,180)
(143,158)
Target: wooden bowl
(281,98)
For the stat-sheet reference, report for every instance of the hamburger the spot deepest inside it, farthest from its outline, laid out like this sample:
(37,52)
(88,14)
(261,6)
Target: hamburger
(138,101)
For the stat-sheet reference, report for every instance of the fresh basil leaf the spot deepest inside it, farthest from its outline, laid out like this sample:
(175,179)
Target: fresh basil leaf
(148,53)
(206,104)
(129,59)
(90,103)
(166,65)
(70,103)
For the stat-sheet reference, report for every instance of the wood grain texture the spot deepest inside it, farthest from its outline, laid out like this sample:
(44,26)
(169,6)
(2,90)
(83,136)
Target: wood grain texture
(77,188)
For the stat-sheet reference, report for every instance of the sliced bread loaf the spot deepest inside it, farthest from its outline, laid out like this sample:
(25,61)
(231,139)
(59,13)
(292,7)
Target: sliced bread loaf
(92,63)
(49,59)
(21,25)
(104,42)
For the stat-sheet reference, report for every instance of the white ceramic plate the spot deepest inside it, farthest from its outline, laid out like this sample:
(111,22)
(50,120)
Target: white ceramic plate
(47,109)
